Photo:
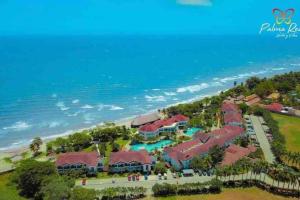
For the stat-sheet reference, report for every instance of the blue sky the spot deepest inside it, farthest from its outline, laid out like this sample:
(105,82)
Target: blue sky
(64,17)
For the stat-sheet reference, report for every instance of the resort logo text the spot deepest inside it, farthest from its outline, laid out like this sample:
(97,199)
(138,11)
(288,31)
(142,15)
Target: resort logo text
(283,27)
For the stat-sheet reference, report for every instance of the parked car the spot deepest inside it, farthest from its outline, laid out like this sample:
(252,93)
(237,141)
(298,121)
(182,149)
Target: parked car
(159,176)
(165,176)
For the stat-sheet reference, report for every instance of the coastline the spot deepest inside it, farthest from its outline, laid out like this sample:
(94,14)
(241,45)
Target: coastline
(123,121)
(16,151)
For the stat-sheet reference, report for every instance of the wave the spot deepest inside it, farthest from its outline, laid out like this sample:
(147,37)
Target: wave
(193,88)
(75,101)
(61,105)
(240,76)
(87,106)
(18,126)
(155,98)
(295,64)
(113,107)
(54,95)
(170,93)
(278,69)
(155,89)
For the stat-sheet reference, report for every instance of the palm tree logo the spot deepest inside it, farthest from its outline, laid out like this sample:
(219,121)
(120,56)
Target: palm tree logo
(283,17)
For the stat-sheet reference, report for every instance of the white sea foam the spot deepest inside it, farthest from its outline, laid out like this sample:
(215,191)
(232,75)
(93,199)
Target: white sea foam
(155,98)
(170,93)
(87,106)
(74,114)
(155,89)
(75,101)
(278,68)
(295,64)
(193,88)
(113,107)
(240,76)
(18,126)
(62,106)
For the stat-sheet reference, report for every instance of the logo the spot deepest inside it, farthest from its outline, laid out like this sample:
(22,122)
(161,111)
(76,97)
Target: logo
(283,27)
(283,16)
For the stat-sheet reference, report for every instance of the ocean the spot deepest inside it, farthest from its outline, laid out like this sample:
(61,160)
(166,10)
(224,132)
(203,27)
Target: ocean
(54,85)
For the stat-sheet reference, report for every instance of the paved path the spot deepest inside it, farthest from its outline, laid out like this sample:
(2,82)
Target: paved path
(100,184)
(262,139)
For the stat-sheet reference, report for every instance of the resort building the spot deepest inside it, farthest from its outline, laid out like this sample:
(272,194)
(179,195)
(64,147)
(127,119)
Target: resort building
(165,125)
(234,153)
(231,114)
(274,96)
(92,162)
(274,107)
(130,161)
(145,119)
(252,99)
(180,156)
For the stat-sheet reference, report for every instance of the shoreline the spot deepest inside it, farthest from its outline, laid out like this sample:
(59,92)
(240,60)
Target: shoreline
(119,122)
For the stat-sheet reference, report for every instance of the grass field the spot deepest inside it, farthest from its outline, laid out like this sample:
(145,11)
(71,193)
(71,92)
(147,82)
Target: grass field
(290,128)
(230,194)
(8,192)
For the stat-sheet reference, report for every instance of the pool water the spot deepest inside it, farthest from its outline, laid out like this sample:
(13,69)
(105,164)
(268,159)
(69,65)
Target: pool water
(192,131)
(151,147)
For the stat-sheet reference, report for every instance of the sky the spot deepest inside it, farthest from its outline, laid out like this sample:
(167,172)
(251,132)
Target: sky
(85,17)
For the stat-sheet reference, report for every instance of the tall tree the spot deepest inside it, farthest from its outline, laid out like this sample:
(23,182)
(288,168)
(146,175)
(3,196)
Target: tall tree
(35,145)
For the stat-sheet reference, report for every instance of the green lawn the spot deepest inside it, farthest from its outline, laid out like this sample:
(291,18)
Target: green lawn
(290,128)
(8,192)
(230,194)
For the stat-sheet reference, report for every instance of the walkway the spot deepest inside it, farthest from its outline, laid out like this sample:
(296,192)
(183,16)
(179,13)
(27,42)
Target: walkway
(262,139)
(100,184)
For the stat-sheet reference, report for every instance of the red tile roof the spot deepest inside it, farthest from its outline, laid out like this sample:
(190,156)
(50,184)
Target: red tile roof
(232,117)
(141,156)
(164,122)
(253,101)
(274,107)
(203,137)
(229,107)
(90,159)
(189,149)
(234,153)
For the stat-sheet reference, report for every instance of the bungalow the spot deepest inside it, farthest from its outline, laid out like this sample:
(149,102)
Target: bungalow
(233,119)
(252,99)
(234,153)
(274,96)
(231,114)
(92,162)
(180,156)
(229,107)
(274,107)
(165,125)
(130,161)
(144,119)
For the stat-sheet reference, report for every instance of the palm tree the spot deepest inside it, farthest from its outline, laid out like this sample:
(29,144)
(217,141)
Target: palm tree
(35,145)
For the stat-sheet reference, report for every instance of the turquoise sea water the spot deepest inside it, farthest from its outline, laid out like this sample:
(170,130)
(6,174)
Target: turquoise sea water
(53,85)
(151,147)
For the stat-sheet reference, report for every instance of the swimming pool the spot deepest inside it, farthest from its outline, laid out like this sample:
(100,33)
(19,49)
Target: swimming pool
(151,147)
(192,131)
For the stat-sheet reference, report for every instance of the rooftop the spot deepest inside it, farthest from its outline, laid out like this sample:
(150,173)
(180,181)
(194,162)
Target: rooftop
(234,153)
(163,122)
(144,119)
(88,158)
(141,156)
